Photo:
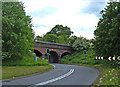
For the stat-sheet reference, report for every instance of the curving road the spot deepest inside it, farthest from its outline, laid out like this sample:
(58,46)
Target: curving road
(61,75)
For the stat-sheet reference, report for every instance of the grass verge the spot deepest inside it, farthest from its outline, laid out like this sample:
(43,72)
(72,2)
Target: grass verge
(11,72)
(24,67)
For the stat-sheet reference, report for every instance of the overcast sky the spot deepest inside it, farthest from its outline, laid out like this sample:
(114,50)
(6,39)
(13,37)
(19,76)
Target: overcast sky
(80,15)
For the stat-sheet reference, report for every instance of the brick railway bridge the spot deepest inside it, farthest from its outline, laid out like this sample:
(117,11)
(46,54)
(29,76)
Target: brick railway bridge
(57,51)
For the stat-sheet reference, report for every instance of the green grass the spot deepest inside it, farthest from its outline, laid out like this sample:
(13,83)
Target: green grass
(108,76)
(23,67)
(109,71)
(10,72)
(27,61)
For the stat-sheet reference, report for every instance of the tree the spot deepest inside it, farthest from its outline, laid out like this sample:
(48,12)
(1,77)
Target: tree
(72,40)
(50,38)
(107,34)
(63,39)
(16,31)
(39,38)
(81,43)
(58,34)
(60,30)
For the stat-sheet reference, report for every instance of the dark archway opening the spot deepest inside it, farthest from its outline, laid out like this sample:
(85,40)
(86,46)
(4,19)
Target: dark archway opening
(38,53)
(54,57)
(64,54)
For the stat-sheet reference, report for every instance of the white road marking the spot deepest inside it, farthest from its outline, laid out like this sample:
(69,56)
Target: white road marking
(58,78)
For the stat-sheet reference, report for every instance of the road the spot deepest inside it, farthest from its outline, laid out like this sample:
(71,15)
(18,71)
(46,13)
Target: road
(61,75)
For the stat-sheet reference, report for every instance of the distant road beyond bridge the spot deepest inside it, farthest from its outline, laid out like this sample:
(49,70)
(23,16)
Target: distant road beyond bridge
(57,51)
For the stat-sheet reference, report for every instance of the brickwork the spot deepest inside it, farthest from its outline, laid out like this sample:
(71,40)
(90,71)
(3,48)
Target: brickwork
(58,48)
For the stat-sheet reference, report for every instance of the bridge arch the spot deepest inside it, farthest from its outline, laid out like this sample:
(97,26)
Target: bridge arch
(64,54)
(37,52)
(56,50)
(54,57)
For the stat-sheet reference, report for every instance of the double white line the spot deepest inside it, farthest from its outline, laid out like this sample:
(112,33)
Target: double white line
(55,79)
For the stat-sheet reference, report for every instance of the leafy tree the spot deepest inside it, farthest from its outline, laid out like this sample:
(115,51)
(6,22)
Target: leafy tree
(63,39)
(58,34)
(81,43)
(72,40)
(39,38)
(50,38)
(107,34)
(61,30)
(16,31)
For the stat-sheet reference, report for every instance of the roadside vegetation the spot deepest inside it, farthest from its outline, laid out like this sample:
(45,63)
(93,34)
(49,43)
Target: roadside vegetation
(24,67)
(28,61)
(11,72)
(18,42)
(17,33)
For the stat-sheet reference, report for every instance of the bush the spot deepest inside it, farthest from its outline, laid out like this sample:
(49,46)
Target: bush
(27,61)
(80,44)
(79,58)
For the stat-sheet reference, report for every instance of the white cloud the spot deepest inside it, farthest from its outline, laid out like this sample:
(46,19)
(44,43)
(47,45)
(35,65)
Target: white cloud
(67,14)
(75,22)
(33,5)
(39,31)
(86,34)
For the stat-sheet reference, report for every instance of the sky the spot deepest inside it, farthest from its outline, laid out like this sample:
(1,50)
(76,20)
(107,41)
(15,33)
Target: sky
(80,15)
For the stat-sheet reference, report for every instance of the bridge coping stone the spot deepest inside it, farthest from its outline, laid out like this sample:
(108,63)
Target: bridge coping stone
(52,43)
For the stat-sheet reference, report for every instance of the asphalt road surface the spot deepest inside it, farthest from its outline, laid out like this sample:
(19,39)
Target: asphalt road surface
(62,75)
